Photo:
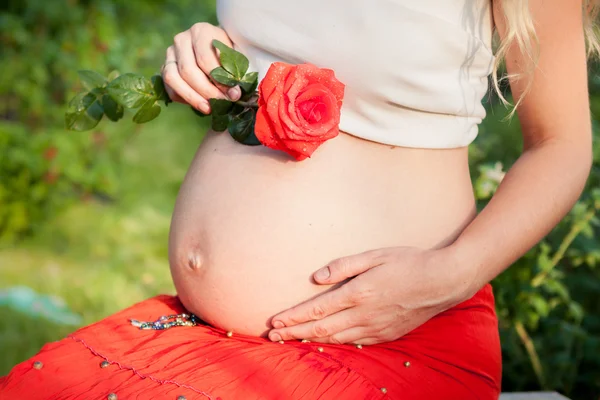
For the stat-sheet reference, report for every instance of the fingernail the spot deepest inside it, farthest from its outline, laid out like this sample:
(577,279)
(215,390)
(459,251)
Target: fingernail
(275,337)
(323,274)
(278,325)
(234,93)
(204,107)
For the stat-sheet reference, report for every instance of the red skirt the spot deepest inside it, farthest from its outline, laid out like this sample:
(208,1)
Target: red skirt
(455,355)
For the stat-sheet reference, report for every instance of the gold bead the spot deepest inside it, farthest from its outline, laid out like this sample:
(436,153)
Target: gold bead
(229,334)
(104,364)
(383,390)
(281,342)
(38,365)
(305,341)
(407,364)
(112,396)
(359,346)
(320,349)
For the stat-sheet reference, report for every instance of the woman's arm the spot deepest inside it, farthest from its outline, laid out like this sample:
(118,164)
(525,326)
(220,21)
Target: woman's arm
(394,290)
(544,183)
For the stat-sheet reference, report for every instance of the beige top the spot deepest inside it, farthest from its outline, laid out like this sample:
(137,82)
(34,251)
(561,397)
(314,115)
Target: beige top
(415,70)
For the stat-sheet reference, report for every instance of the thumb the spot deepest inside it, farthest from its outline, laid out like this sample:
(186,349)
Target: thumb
(347,267)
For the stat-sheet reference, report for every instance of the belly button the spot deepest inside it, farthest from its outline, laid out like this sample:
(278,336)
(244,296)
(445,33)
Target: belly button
(194,260)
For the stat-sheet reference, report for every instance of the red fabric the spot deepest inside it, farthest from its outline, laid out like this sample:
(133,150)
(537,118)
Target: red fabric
(455,355)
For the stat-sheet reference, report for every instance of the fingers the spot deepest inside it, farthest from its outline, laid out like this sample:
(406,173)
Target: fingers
(347,267)
(175,85)
(318,308)
(206,55)
(190,71)
(324,328)
(354,335)
(170,92)
(188,64)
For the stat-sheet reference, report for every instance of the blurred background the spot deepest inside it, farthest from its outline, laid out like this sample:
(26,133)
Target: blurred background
(84,217)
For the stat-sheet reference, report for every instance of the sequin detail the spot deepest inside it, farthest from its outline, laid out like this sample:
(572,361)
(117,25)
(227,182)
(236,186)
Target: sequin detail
(167,321)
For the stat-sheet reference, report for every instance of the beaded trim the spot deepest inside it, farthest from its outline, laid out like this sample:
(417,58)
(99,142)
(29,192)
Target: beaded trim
(167,321)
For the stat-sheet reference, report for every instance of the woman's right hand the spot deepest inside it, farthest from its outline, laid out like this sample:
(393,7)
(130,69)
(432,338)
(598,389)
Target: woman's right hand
(186,71)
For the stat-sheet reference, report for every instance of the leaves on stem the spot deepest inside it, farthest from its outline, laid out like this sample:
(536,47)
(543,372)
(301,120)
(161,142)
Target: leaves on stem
(131,90)
(147,112)
(220,109)
(159,89)
(84,112)
(249,82)
(113,110)
(91,79)
(232,71)
(232,61)
(220,75)
(111,96)
(241,127)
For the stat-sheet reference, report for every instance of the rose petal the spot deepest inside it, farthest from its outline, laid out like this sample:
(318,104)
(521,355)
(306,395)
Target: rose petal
(272,108)
(316,106)
(313,110)
(304,148)
(322,94)
(264,131)
(276,75)
(293,131)
(325,77)
(337,88)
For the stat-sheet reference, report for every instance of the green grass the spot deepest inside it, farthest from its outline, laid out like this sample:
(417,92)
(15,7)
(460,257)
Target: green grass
(101,257)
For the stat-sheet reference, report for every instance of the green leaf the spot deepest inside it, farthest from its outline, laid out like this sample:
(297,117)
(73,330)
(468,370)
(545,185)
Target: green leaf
(159,89)
(539,304)
(233,61)
(114,74)
(220,75)
(113,110)
(84,112)
(92,79)
(131,90)
(241,128)
(576,311)
(219,109)
(249,82)
(220,106)
(219,122)
(147,112)
(98,92)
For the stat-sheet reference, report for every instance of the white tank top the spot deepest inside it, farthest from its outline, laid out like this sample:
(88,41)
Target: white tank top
(415,70)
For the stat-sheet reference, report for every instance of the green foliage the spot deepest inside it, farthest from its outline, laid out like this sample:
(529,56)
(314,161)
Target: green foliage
(241,127)
(130,90)
(43,168)
(234,64)
(111,98)
(220,109)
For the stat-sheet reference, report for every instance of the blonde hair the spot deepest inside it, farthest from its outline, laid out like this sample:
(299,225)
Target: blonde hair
(520,31)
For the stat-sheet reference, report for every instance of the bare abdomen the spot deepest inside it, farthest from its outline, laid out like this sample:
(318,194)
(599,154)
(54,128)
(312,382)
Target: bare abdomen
(251,226)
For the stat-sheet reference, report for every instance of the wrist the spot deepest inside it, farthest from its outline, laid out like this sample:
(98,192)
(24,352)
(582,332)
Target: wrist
(459,272)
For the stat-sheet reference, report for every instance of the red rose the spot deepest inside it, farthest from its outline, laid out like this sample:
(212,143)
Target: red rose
(298,108)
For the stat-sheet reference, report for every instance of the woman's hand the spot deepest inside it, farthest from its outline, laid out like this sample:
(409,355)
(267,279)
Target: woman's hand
(394,290)
(186,71)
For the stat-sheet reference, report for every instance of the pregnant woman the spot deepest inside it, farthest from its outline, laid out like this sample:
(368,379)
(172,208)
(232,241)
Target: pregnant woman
(361,272)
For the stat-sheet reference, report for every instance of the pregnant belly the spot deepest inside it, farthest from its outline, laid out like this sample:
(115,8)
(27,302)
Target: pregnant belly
(250,226)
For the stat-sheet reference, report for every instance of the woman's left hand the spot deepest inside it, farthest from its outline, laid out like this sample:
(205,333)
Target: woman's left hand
(391,292)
